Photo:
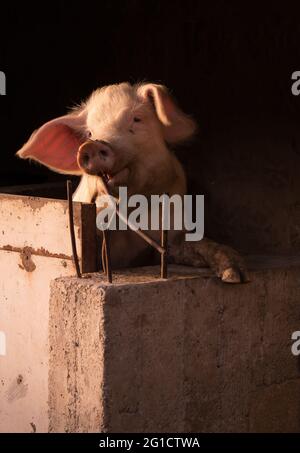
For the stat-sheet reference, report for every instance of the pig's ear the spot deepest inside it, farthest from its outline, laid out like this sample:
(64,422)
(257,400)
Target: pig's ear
(55,144)
(177,126)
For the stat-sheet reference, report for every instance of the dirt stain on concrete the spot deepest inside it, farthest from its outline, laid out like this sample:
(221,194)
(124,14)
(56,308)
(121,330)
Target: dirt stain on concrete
(27,261)
(17,389)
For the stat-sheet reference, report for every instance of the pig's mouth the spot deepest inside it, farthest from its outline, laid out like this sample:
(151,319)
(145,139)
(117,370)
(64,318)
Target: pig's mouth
(115,178)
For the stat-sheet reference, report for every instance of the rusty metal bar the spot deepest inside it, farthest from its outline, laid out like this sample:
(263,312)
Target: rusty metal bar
(106,258)
(164,244)
(71,227)
(162,248)
(140,233)
(103,255)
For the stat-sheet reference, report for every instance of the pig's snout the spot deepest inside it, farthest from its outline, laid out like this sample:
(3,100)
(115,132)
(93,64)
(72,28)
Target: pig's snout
(96,157)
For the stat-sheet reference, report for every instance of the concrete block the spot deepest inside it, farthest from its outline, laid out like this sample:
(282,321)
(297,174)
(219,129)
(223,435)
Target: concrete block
(276,408)
(35,248)
(187,354)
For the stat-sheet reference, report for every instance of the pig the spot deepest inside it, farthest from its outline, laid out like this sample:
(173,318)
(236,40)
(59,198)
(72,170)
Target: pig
(127,132)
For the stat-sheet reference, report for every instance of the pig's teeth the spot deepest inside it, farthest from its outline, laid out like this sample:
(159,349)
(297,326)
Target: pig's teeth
(104,176)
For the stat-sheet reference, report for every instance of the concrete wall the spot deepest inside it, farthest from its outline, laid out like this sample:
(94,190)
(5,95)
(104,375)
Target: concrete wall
(187,354)
(35,248)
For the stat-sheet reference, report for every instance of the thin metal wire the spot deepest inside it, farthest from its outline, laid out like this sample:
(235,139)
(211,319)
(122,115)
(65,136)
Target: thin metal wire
(71,227)
(162,248)
(106,263)
(164,243)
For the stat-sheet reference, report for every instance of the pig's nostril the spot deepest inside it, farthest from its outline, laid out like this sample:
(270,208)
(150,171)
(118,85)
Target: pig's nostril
(85,160)
(103,153)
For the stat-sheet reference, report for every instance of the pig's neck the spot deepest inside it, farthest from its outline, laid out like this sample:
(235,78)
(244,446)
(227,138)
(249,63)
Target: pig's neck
(167,177)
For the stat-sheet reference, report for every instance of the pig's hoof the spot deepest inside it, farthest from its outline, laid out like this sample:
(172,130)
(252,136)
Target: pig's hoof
(230,266)
(231,275)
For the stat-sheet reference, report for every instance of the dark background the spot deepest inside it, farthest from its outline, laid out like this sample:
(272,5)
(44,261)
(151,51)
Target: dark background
(229,64)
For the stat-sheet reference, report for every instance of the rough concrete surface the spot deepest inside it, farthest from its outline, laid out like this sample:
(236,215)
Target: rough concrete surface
(35,248)
(187,354)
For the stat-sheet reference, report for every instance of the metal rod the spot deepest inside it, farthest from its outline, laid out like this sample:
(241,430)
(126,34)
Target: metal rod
(164,244)
(162,249)
(103,255)
(139,232)
(71,227)
(107,256)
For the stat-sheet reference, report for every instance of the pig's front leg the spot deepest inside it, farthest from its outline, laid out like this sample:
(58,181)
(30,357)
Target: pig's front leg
(223,260)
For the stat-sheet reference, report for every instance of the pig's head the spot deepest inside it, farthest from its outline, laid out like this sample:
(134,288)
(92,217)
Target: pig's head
(121,131)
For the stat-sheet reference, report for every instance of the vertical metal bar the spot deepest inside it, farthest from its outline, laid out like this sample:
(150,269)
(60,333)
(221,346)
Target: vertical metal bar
(164,243)
(103,255)
(71,227)
(107,265)
(140,233)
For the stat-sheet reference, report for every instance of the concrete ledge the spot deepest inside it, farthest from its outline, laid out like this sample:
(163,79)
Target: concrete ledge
(189,354)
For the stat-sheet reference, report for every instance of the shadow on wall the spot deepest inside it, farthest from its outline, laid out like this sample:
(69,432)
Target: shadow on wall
(250,177)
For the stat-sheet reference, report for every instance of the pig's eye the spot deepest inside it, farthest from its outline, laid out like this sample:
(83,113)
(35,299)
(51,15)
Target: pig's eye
(89,134)
(136,119)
